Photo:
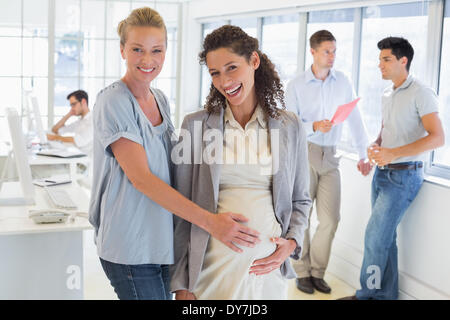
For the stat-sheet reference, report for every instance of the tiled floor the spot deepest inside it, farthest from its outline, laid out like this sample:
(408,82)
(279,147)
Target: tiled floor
(97,287)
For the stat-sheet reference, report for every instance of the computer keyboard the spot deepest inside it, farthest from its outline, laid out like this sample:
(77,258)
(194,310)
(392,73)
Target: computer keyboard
(60,198)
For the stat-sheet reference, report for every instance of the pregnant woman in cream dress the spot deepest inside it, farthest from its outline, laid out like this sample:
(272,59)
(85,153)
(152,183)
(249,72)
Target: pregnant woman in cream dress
(255,163)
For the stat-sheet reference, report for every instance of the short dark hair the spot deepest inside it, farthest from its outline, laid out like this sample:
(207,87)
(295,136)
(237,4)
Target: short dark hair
(79,95)
(400,47)
(320,36)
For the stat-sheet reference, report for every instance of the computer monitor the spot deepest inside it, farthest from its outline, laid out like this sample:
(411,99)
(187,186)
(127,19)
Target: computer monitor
(38,120)
(35,127)
(19,154)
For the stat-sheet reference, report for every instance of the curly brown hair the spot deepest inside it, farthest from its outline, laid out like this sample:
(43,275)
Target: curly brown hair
(268,86)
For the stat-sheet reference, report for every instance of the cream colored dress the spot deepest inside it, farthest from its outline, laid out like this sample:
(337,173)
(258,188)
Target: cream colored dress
(246,188)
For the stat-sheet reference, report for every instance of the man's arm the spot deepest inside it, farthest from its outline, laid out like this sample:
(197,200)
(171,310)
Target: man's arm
(434,139)
(61,122)
(60,138)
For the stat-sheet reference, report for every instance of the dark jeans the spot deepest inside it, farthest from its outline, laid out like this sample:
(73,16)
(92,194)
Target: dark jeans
(139,282)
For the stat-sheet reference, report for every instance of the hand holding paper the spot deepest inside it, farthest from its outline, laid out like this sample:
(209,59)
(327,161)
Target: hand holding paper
(343,111)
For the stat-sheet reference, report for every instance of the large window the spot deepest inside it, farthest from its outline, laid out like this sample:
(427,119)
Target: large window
(280,43)
(87,47)
(408,20)
(23,58)
(85,51)
(441,157)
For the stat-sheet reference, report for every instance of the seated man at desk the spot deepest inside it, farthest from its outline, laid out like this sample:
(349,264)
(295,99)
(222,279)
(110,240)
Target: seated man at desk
(82,128)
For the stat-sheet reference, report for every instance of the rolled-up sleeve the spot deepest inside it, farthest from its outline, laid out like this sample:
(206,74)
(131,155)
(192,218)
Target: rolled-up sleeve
(115,120)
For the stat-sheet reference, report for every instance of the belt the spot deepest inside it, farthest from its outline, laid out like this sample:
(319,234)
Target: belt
(403,166)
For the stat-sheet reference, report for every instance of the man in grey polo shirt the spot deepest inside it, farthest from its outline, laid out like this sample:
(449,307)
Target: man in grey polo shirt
(410,128)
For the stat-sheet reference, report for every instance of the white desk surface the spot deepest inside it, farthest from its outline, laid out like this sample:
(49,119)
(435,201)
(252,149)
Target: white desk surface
(35,159)
(15,220)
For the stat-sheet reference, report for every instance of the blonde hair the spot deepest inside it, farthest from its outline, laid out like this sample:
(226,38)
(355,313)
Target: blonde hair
(141,17)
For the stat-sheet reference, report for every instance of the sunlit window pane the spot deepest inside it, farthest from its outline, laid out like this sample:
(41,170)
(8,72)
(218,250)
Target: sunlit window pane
(10,56)
(93,58)
(35,18)
(39,87)
(116,11)
(10,18)
(280,43)
(249,25)
(93,19)
(92,86)
(35,57)
(169,68)
(11,92)
(442,155)
(114,64)
(169,12)
(408,20)
(66,57)
(67,18)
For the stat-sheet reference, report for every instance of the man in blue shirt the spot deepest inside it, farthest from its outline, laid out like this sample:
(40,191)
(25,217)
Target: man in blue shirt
(314,96)
(410,128)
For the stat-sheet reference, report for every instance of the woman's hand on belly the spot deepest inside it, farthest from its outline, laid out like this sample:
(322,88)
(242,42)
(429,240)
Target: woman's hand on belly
(276,259)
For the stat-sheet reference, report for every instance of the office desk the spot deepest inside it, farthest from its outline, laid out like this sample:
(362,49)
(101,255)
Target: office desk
(38,160)
(41,261)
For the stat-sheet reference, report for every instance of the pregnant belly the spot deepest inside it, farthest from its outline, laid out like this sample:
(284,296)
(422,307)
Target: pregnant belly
(257,206)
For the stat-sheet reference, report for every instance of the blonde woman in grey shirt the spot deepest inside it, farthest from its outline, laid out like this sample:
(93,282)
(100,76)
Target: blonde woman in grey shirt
(132,200)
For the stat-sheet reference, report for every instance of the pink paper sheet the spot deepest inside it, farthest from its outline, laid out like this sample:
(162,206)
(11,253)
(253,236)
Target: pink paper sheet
(344,111)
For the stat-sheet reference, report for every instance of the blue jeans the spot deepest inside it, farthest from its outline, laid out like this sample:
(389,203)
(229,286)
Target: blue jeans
(392,193)
(138,282)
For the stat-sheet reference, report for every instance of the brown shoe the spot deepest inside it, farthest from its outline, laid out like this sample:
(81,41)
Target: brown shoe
(320,285)
(348,298)
(305,285)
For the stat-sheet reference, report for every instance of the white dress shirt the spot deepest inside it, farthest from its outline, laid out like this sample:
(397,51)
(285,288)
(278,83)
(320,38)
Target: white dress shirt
(313,100)
(83,130)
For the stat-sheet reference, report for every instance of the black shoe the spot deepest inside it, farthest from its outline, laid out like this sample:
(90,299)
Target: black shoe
(305,285)
(320,285)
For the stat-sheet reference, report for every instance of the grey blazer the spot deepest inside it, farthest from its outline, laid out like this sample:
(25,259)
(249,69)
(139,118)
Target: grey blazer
(200,183)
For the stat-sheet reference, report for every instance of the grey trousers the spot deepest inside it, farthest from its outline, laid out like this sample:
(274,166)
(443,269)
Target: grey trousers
(325,189)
